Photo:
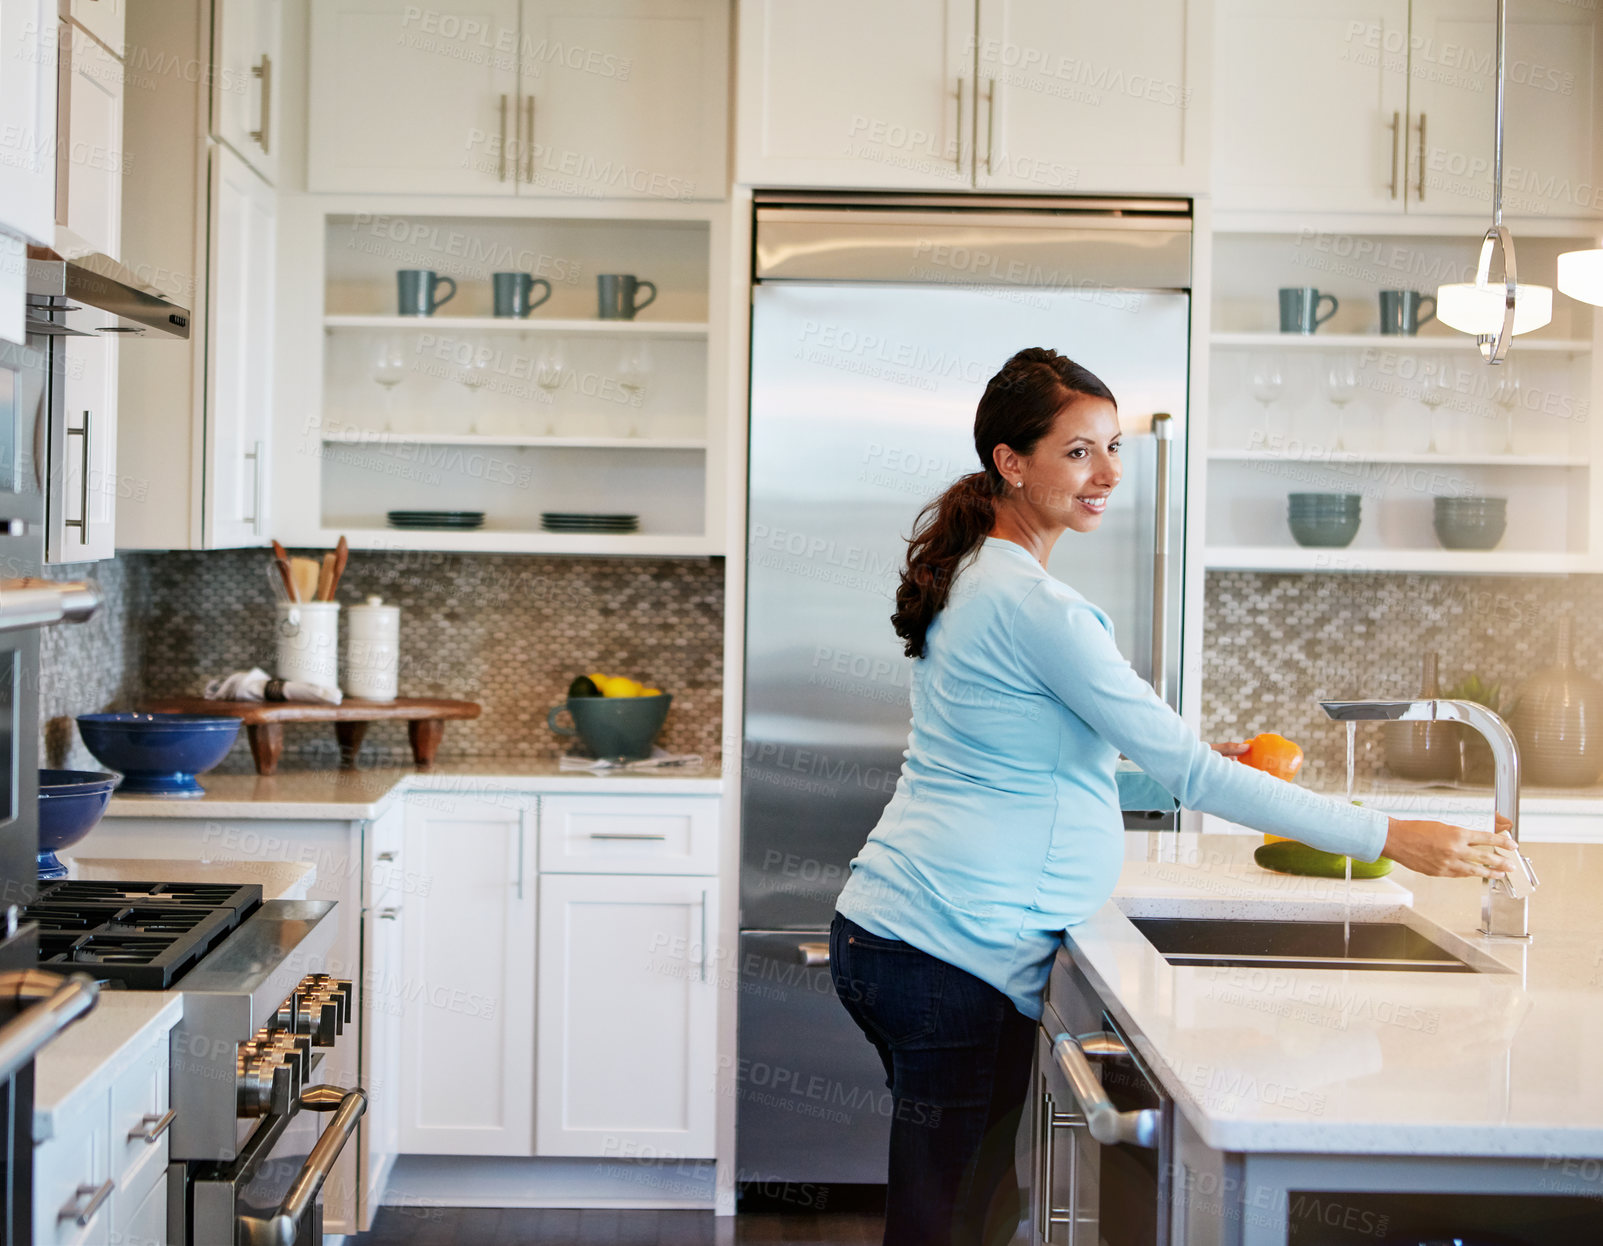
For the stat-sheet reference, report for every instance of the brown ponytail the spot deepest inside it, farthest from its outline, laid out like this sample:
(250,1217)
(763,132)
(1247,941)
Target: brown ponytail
(1017,409)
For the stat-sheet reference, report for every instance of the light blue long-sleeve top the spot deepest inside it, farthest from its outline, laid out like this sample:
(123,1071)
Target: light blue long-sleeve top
(1005,826)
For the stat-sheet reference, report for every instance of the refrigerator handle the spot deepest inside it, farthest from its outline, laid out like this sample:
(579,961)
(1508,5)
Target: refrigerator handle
(1163,431)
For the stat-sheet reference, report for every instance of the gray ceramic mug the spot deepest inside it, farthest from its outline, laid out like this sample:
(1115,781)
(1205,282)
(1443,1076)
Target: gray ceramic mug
(416,289)
(616,293)
(614,728)
(512,293)
(1403,311)
(1299,309)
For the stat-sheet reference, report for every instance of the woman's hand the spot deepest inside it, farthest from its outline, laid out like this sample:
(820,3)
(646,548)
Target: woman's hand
(1450,851)
(1230,748)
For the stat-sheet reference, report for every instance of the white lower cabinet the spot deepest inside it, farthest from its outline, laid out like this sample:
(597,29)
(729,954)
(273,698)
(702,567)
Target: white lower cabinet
(101,1176)
(627,1036)
(467,1055)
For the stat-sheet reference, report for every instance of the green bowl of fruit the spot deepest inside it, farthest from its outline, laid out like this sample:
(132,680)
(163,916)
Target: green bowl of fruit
(615,717)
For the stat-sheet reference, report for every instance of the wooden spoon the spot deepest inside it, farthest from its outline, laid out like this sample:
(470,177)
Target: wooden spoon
(281,557)
(342,555)
(325,578)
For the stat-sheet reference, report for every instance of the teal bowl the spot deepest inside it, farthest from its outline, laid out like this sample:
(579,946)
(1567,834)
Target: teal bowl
(614,728)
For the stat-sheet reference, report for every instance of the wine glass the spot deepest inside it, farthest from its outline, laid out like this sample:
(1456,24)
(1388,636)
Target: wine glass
(1507,395)
(1436,384)
(474,374)
(1341,387)
(387,366)
(550,374)
(634,374)
(1268,383)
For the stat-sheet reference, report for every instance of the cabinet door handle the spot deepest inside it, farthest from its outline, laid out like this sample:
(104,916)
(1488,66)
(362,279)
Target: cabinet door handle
(97,1194)
(520,858)
(263,73)
(82,522)
(386,856)
(990,122)
(528,142)
(1421,157)
(625,835)
(389,915)
(957,129)
(151,1126)
(255,519)
(1396,136)
(1051,1214)
(703,934)
(501,143)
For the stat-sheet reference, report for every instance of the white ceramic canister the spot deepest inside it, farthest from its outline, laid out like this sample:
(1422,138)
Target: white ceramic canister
(308,642)
(372,650)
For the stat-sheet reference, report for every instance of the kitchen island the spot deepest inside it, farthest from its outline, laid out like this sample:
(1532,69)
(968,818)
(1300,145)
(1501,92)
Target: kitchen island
(1325,1106)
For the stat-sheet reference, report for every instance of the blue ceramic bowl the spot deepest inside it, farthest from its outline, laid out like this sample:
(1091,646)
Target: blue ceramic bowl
(158,754)
(70,803)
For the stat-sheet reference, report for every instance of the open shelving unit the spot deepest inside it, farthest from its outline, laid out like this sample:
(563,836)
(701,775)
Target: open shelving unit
(464,410)
(1538,446)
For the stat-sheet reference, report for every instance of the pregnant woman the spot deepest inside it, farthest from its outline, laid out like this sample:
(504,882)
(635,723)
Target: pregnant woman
(1005,825)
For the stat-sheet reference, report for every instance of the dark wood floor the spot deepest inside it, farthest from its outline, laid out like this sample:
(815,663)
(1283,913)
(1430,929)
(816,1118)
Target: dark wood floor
(475,1226)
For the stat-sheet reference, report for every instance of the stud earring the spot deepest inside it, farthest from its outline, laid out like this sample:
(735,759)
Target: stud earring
(1018,484)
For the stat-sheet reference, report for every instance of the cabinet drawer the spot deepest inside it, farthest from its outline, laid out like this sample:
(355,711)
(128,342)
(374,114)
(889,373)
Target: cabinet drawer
(139,1123)
(71,1171)
(629,834)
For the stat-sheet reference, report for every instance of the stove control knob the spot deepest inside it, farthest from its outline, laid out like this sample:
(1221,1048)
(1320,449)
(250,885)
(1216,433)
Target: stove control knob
(254,1074)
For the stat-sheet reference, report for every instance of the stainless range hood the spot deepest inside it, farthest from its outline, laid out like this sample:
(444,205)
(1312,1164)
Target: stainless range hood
(95,280)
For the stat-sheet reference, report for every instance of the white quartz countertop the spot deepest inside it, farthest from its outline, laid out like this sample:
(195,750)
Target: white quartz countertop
(352,795)
(89,1054)
(1364,1062)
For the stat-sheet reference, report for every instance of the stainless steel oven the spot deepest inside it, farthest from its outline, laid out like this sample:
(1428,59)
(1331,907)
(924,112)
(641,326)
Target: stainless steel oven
(1104,1139)
(258,1131)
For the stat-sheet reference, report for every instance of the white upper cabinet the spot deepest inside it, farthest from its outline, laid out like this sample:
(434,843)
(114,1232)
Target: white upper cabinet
(1370,106)
(1087,96)
(1027,95)
(81,504)
(239,352)
(605,1088)
(90,171)
(28,40)
(1310,105)
(840,93)
(1553,101)
(414,98)
(624,98)
(613,98)
(104,19)
(248,63)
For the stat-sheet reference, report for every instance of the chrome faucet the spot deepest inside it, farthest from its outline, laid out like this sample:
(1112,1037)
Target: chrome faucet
(1505,909)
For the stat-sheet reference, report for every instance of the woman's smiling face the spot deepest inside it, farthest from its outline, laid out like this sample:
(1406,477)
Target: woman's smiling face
(1071,472)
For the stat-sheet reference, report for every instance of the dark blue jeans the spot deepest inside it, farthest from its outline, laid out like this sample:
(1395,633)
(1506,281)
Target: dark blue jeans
(957,1061)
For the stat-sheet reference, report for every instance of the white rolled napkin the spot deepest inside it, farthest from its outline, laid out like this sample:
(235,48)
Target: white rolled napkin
(257,685)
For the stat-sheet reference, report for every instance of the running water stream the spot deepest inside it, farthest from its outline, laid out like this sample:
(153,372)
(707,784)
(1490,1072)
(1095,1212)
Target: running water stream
(1347,897)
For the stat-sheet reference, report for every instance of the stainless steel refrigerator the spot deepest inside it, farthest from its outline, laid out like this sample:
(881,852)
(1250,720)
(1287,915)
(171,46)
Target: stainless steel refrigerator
(876,322)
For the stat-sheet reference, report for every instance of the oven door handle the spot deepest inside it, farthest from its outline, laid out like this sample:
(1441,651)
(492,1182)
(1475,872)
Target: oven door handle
(40,603)
(55,1002)
(1107,1124)
(283,1228)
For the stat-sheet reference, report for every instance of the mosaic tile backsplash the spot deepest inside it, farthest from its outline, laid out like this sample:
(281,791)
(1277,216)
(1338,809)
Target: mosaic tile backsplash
(1274,645)
(507,631)
(89,666)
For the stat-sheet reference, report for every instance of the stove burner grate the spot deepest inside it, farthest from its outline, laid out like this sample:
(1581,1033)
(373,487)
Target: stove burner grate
(144,936)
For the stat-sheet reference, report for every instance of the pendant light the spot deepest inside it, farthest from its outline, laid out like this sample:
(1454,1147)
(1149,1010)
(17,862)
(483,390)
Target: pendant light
(1580,275)
(1495,313)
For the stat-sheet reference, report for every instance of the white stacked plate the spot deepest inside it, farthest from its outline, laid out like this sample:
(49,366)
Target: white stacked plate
(575,521)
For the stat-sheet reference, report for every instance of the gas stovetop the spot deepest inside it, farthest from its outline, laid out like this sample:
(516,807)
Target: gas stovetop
(139,936)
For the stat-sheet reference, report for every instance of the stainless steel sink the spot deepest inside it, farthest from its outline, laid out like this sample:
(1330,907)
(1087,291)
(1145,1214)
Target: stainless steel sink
(1297,945)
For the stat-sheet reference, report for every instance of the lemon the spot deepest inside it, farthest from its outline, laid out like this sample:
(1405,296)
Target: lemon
(651,692)
(619,686)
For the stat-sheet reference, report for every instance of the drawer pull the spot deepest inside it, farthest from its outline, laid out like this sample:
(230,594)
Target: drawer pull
(97,1194)
(152,1125)
(386,856)
(389,915)
(625,835)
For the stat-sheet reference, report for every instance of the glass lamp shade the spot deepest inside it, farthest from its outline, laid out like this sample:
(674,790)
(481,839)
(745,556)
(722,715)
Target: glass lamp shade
(1477,306)
(1471,307)
(1580,275)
